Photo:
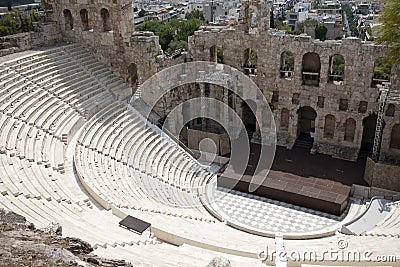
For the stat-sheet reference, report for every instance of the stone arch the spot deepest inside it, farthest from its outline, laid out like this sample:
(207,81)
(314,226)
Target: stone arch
(255,15)
(69,20)
(382,72)
(284,123)
(133,76)
(287,65)
(84,19)
(306,123)
(336,69)
(391,109)
(105,17)
(395,137)
(311,68)
(329,129)
(349,130)
(367,141)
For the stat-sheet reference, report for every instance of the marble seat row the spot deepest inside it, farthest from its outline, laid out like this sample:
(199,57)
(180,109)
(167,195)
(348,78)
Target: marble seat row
(22,177)
(390,226)
(122,186)
(76,221)
(137,145)
(61,107)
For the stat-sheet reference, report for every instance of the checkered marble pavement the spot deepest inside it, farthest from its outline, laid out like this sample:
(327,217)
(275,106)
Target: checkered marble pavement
(269,215)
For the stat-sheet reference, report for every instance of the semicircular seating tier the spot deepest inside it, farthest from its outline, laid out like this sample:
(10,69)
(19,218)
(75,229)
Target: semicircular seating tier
(73,152)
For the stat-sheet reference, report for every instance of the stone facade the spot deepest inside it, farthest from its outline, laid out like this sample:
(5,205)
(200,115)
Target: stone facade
(46,34)
(353,98)
(342,107)
(106,28)
(382,175)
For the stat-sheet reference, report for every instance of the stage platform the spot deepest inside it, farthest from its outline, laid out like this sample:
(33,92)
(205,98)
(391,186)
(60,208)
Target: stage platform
(316,181)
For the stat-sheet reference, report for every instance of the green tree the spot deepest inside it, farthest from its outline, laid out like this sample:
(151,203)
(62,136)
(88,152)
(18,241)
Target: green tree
(320,32)
(142,13)
(17,22)
(195,14)
(282,26)
(220,55)
(253,57)
(389,33)
(176,45)
(174,34)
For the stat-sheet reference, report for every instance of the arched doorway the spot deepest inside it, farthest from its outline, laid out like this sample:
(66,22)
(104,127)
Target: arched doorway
(306,124)
(249,116)
(367,142)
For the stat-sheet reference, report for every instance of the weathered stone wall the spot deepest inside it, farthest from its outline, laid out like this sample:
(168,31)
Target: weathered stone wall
(106,28)
(47,34)
(359,58)
(382,175)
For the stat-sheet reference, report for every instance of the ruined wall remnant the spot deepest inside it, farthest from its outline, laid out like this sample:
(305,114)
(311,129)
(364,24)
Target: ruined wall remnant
(345,92)
(106,28)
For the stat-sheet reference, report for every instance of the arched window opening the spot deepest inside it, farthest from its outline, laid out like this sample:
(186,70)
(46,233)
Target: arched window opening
(311,69)
(350,129)
(284,119)
(382,70)
(336,69)
(253,17)
(84,19)
(69,21)
(287,65)
(250,62)
(329,130)
(105,17)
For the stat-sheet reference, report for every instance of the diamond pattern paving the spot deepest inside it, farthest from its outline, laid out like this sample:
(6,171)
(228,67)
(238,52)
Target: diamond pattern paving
(271,215)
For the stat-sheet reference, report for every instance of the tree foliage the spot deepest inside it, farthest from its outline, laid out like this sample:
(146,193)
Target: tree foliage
(220,56)
(17,22)
(382,68)
(253,58)
(338,64)
(288,63)
(352,20)
(173,34)
(282,26)
(195,14)
(142,13)
(320,32)
(390,30)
